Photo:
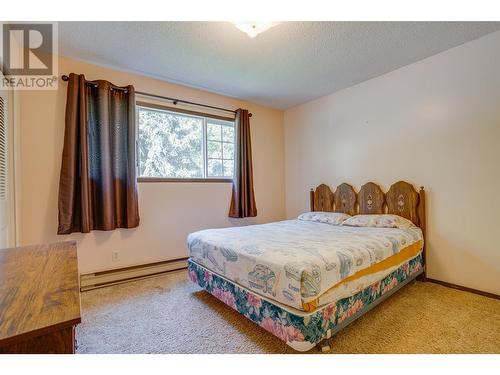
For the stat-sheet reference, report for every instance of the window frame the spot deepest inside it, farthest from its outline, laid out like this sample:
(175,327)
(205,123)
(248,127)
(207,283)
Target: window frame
(201,115)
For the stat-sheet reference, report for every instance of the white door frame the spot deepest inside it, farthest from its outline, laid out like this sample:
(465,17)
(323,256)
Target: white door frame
(8,235)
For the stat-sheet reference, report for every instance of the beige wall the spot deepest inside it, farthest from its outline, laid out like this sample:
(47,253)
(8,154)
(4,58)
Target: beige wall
(434,123)
(169,211)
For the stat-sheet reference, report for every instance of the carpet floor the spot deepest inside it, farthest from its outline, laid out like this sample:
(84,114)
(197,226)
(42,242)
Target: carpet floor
(169,314)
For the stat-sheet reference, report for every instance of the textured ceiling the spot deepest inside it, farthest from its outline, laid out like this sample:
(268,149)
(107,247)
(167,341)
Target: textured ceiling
(289,64)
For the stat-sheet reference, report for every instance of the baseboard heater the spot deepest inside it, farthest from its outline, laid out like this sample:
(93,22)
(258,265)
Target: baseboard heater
(101,279)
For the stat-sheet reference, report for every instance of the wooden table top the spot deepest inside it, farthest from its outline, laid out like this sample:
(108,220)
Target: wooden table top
(39,290)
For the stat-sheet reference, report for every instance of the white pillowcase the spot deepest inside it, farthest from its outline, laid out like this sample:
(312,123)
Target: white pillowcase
(332,218)
(379,221)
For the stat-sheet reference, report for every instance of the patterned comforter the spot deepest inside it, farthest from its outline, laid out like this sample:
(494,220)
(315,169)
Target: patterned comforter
(295,261)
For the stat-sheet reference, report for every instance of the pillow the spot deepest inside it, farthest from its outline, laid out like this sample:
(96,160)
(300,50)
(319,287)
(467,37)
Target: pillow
(333,218)
(379,221)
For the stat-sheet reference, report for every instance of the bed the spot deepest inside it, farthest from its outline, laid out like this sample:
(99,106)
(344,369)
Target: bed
(304,279)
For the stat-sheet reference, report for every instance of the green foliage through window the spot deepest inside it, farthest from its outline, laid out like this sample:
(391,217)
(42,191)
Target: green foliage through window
(177,145)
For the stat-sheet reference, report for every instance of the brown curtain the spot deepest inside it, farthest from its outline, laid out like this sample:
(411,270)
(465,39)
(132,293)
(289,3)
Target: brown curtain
(97,186)
(243,197)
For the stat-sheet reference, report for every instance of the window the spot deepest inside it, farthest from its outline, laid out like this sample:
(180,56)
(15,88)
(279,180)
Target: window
(184,146)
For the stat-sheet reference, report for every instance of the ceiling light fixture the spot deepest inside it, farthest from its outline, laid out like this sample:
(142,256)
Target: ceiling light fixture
(254,28)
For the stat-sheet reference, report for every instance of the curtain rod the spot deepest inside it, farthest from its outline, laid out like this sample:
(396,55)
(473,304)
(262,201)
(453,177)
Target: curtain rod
(173,100)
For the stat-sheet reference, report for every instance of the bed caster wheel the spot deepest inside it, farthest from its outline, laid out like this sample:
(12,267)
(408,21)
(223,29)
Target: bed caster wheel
(325,348)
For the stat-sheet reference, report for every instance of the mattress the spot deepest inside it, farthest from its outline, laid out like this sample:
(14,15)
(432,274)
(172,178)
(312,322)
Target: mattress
(304,264)
(298,329)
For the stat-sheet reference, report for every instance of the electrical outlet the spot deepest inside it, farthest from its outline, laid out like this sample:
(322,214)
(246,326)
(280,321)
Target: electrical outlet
(115,255)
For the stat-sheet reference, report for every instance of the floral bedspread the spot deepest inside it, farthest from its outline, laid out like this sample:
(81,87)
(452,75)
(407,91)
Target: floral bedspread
(295,261)
(302,331)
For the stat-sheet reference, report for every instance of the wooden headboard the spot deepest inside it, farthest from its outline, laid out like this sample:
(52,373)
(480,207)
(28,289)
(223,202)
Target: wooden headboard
(401,199)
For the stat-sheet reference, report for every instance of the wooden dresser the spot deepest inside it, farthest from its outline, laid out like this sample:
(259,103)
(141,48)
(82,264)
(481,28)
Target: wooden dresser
(39,298)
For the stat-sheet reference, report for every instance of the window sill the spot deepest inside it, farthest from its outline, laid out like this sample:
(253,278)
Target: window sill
(163,179)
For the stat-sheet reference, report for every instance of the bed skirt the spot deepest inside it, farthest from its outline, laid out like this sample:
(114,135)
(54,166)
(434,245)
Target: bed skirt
(303,330)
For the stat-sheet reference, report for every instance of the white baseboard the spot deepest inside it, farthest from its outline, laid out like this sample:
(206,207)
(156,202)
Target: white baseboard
(121,275)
